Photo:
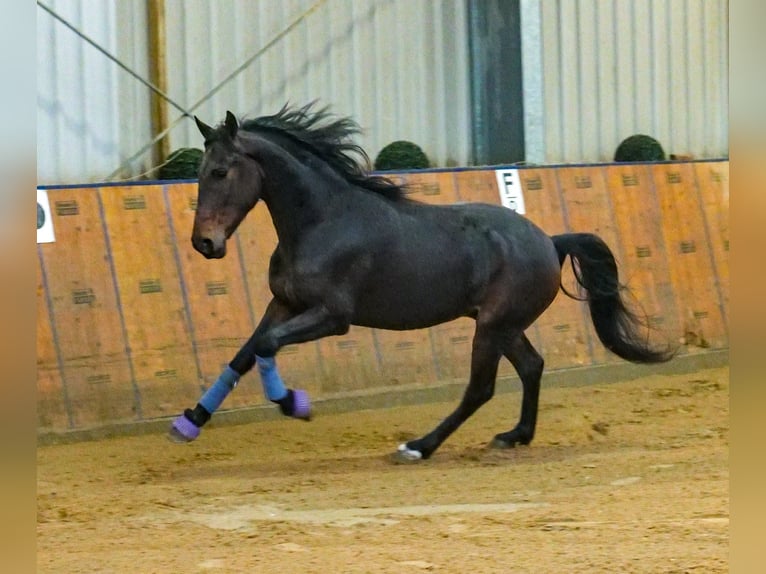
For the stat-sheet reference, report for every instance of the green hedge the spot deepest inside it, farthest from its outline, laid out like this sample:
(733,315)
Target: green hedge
(401,154)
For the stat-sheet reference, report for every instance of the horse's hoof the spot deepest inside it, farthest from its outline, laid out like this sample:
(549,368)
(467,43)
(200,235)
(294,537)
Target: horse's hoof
(183,430)
(301,405)
(500,443)
(404,455)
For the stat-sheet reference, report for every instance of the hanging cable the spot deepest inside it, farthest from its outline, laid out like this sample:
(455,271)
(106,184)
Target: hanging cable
(217,88)
(148,84)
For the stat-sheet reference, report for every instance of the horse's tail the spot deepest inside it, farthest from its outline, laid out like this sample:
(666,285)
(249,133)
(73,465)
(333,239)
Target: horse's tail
(595,269)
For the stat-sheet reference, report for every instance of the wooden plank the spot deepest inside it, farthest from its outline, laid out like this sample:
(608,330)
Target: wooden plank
(476,185)
(713,185)
(152,301)
(80,279)
(587,204)
(561,331)
(452,343)
(100,393)
(85,311)
(690,261)
(51,401)
(436,188)
(587,207)
(645,264)
(142,287)
(348,363)
(542,199)
(257,239)
(216,298)
(406,357)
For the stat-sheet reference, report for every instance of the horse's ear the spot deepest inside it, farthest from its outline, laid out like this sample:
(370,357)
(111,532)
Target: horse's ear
(206,131)
(231,125)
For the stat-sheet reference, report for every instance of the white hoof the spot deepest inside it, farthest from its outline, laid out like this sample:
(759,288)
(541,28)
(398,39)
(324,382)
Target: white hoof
(409,453)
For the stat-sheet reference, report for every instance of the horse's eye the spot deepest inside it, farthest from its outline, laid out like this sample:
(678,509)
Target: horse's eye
(219,172)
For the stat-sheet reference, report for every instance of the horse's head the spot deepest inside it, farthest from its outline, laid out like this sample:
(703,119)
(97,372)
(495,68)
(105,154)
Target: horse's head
(229,187)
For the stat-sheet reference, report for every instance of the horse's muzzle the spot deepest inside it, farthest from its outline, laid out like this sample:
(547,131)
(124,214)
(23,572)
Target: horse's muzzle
(210,248)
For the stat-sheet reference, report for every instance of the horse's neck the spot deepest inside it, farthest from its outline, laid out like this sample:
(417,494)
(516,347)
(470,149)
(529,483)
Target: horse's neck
(293,209)
(296,198)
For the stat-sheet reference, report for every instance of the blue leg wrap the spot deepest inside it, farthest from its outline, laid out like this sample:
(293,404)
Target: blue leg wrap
(215,395)
(273,386)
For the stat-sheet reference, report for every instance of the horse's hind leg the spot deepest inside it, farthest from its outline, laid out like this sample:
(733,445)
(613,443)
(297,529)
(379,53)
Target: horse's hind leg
(529,365)
(487,350)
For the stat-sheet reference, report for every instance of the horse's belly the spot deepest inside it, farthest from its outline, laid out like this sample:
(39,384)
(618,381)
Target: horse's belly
(405,302)
(404,318)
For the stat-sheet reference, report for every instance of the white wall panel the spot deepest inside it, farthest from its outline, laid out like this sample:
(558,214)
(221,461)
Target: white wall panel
(398,67)
(89,112)
(133,97)
(613,68)
(595,72)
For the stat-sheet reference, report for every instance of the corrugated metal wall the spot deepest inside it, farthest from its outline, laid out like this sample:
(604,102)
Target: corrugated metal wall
(613,68)
(398,67)
(595,72)
(89,111)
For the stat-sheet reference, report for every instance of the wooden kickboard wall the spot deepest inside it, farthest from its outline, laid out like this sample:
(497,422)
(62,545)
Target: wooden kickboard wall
(133,324)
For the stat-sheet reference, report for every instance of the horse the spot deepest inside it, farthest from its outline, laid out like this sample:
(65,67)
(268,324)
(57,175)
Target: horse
(354,250)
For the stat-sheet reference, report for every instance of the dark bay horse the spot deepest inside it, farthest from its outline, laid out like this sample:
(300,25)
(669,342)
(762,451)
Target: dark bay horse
(353,250)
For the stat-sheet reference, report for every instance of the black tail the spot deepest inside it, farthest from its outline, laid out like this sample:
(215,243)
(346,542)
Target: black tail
(595,269)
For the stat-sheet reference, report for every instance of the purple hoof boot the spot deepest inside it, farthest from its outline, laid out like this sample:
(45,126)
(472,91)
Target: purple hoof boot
(301,405)
(183,430)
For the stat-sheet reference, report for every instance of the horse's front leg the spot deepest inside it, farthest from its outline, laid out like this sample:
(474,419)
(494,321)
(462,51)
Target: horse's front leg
(313,323)
(291,402)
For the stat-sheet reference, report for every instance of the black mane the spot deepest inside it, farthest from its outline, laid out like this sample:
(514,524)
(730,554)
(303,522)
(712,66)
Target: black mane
(329,139)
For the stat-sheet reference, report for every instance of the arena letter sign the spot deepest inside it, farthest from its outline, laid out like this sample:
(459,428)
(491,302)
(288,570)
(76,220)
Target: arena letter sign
(509,185)
(44,220)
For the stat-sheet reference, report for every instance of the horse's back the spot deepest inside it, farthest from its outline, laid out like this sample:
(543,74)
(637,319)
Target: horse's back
(525,243)
(435,263)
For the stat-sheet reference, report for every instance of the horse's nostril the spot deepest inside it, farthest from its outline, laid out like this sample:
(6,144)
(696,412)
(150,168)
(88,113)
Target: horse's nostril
(209,247)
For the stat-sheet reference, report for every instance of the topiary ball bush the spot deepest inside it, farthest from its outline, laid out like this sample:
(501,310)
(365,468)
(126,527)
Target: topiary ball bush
(401,154)
(639,147)
(182,164)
